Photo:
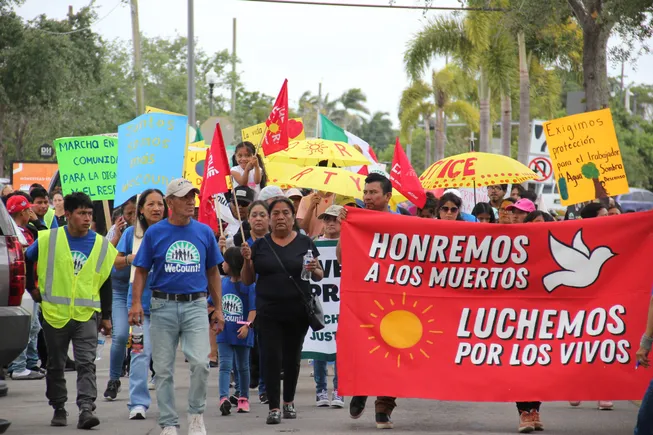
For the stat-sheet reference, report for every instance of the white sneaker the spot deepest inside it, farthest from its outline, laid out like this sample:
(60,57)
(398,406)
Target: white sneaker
(196,424)
(137,413)
(169,430)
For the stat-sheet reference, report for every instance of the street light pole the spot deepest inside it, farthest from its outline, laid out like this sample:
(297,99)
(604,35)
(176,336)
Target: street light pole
(191,63)
(211,80)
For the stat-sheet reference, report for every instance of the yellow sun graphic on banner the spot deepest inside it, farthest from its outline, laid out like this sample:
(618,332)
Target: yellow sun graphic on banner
(407,329)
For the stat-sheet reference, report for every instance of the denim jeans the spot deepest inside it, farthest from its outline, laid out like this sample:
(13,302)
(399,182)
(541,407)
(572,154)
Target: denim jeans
(229,354)
(120,334)
(320,375)
(170,321)
(29,357)
(139,370)
(645,416)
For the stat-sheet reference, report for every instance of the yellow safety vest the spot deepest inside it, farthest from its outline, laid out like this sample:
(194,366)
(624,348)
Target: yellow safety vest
(49,217)
(66,295)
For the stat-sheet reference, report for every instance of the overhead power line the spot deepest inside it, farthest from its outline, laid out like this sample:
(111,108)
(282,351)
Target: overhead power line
(388,6)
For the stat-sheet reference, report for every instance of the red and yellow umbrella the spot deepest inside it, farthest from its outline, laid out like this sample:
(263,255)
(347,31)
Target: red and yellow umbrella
(480,169)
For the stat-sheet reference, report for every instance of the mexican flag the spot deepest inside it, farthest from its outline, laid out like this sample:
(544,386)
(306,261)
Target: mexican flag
(330,131)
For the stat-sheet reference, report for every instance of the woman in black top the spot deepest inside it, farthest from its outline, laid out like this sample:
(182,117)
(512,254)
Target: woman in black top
(281,315)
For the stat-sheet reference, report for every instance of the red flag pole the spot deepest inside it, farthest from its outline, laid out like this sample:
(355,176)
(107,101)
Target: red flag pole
(233,193)
(215,205)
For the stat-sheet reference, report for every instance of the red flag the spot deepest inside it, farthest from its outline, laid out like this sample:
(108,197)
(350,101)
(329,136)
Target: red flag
(276,135)
(404,178)
(559,304)
(216,173)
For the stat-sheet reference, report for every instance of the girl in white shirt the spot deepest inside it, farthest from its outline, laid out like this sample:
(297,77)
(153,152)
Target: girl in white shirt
(248,169)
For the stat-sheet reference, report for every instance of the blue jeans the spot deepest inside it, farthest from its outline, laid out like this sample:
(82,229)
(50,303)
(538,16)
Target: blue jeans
(139,370)
(320,375)
(170,321)
(120,334)
(645,416)
(228,354)
(30,356)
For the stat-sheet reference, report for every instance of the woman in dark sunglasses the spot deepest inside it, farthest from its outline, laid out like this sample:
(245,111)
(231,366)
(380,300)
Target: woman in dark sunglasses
(450,205)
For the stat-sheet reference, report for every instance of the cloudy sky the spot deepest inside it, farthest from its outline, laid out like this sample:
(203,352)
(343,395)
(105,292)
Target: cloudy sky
(340,47)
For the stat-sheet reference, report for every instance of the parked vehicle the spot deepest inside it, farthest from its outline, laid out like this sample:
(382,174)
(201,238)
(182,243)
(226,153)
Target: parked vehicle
(636,200)
(14,319)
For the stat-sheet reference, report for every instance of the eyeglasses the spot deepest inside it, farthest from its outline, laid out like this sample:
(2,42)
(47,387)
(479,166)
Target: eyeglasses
(449,209)
(503,210)
(494,188)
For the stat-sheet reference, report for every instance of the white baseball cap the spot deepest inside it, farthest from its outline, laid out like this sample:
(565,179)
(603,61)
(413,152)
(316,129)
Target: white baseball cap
(269,192)
(180,187)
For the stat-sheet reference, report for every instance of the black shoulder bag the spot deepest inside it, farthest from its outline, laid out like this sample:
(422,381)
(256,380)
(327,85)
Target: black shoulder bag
(312,305)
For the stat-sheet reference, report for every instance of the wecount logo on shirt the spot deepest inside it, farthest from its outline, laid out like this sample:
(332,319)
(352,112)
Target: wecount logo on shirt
(182,256)
(79,260)
(232,308)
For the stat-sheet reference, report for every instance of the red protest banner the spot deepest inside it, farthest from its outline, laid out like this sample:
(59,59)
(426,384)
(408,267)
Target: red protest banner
(465,311)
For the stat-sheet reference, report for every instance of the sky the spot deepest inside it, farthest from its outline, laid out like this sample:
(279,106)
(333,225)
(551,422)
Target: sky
(340,47)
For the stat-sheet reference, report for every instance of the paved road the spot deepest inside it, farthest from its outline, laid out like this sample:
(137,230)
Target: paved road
(27,407)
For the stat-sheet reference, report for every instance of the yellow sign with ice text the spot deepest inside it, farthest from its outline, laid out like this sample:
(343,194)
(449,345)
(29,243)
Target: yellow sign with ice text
(194,164)
(585,156)
(254,134)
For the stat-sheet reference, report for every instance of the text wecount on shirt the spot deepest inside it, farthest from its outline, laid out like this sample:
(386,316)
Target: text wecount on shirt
(80,249)
(238,300)
(178,256)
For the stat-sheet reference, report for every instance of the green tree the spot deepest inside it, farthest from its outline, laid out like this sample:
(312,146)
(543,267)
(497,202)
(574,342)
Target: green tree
(415,104)
(378,131)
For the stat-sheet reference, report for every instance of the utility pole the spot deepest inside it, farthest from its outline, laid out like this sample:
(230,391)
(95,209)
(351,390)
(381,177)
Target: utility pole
(191,63)
(138,67)
(319,109)
(233,75)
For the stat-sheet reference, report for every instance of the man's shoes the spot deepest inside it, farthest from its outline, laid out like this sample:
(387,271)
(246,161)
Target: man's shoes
(137,413)
(337,401)
(605,405)
(27,375)
(213,364)
(87,420)
(383,421)
(274,417)
(151,385)
(196,424)
(575,403)
(357,406)
(537,424)
(60,417)
(36,369)
(225,406)
(169,430)
(526,423)
(113,388)
(289,412)
(263,397)
(322,399)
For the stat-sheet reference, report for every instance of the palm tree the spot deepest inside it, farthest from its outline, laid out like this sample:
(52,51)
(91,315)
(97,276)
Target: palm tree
(478,45)
(413,105)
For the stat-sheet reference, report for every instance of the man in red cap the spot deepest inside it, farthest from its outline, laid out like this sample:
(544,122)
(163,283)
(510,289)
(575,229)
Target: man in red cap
(18,207)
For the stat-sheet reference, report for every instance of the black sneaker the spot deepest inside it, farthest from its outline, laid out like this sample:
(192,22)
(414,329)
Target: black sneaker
(213,364)
(357,406)
(87,420)
(234,398)
(225,407)
(289,412)
(383,421)
(263,397)
(113,388)
(59,418)
(274,417)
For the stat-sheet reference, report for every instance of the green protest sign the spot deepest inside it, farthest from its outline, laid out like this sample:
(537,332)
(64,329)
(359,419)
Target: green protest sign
(88,164)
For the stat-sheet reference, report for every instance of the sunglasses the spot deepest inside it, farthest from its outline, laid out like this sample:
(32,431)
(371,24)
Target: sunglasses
(449,209)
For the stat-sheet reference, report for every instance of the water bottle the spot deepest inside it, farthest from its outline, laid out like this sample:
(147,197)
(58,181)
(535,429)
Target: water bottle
(101,339)
(137,339)
(306,275)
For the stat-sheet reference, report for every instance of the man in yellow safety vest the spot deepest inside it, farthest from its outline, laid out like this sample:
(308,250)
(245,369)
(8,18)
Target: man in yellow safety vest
(74,264)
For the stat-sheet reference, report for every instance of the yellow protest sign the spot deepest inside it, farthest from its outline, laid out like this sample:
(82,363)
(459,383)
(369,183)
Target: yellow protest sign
(194,164)
(150,109)
(585,157)
(254,134)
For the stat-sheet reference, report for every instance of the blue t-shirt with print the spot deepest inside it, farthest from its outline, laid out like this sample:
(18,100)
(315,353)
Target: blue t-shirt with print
(178,256)
(80,248)
(238,300)
(125,246)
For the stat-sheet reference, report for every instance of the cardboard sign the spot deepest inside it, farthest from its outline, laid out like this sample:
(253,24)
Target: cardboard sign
(88,164)
(321,345)
(150,153)
(254,134)
(562,304)
(585,156)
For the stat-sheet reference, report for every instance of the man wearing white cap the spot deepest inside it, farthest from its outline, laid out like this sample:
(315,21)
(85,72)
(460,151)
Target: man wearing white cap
(183,256)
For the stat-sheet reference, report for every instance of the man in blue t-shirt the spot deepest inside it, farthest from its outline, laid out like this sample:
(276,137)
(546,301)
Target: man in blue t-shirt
(183,256)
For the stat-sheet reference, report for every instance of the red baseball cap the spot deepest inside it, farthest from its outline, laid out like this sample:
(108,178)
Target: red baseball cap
(523,205)
(17,203)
